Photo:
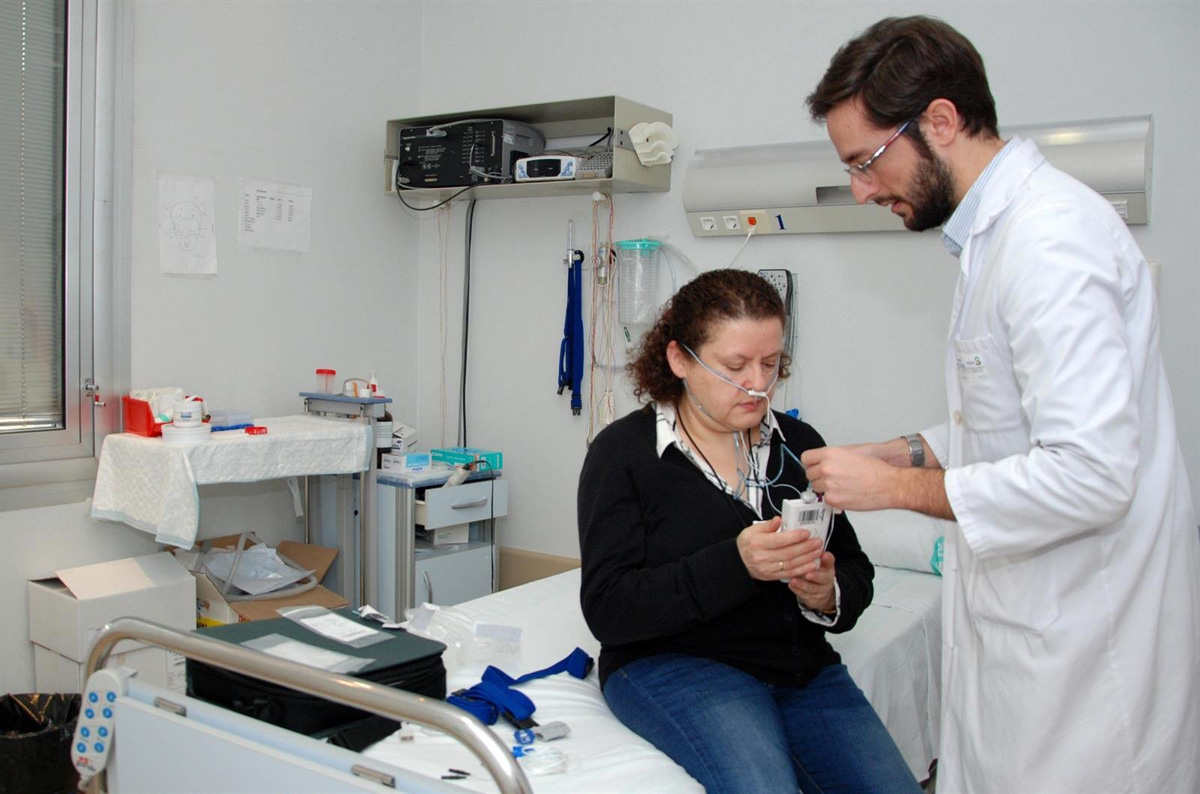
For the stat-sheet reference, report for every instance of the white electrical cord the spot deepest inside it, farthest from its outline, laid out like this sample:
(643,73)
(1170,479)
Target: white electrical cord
(749,234)
(444,213)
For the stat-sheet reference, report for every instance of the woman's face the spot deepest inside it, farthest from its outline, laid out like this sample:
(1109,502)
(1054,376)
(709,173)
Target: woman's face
(746,352)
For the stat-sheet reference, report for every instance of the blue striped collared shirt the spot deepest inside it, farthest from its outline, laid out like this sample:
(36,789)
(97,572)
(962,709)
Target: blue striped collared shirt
(958,228)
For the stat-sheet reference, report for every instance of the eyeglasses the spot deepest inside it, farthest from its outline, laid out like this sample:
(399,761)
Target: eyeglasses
(860,169)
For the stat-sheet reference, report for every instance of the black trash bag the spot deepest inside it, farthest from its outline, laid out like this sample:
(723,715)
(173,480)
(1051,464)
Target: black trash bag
(35,743)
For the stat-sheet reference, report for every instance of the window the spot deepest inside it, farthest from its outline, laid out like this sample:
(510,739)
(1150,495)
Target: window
(33,139)
(56,153)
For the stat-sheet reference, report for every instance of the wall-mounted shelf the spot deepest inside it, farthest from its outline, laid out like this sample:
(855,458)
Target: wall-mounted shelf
(574,118)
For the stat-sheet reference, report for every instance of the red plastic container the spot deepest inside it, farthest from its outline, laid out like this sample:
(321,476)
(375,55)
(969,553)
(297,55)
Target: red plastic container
(138,418)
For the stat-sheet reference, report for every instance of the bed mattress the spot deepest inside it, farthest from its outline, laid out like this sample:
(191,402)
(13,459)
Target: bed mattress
(893,653)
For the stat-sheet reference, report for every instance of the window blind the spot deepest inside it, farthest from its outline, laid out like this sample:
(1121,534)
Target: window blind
(32,206)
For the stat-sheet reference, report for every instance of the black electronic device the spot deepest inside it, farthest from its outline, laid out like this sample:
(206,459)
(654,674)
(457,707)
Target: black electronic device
(464,153)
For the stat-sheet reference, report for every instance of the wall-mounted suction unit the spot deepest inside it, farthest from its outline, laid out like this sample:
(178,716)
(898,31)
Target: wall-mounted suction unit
(798,188)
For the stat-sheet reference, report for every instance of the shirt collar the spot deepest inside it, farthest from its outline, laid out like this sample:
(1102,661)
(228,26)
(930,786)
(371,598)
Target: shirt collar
(956,230)
(666,423)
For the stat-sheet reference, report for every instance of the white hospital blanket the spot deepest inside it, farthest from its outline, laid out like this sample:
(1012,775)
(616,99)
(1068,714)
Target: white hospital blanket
(151,485)
(891,653)
(894,654)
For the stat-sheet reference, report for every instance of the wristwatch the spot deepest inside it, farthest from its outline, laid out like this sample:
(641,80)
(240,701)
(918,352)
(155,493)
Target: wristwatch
(916,450)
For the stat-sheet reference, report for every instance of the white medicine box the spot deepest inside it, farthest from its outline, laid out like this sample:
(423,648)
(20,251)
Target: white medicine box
(67,611)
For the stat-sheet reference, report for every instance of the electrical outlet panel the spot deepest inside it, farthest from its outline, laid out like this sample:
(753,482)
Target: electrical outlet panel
(755,218)
(781,280)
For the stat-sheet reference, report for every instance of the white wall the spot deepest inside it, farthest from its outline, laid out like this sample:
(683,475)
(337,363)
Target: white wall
(873,308)
(283,92)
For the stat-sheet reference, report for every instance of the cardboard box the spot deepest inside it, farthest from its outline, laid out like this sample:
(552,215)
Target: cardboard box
(212,608)
(413,461)
(56,673)
(461,455)
(67,611)
(448,536)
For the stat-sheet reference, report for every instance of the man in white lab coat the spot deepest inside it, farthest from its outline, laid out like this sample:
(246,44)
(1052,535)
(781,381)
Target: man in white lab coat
(1071,651)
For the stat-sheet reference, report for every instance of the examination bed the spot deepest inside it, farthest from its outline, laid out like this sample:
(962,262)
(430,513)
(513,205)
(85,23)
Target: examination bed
(893,653)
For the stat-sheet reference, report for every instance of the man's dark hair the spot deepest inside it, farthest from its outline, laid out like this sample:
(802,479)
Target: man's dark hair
(900,65)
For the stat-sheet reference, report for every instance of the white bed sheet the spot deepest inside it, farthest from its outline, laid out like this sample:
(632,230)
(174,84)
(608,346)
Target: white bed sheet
(893,653)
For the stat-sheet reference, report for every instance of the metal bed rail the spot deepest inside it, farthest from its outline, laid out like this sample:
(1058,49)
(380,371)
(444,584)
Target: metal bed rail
(386,702)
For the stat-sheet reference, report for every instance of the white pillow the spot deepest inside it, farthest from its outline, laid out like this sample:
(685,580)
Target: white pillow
(901,539)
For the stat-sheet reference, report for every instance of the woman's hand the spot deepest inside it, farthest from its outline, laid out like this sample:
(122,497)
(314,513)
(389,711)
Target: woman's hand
(814,588)
(770,555)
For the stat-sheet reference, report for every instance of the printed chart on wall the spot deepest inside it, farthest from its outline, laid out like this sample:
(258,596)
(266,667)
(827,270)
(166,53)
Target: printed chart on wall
(187,241)
(275,216)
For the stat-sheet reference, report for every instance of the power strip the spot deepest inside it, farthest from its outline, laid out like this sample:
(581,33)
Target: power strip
(781,280)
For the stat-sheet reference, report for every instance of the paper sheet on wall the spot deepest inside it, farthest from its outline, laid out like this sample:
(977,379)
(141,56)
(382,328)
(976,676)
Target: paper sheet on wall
(187,240)
(274,216)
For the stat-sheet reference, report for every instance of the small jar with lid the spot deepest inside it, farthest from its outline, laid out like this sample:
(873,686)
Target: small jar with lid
(325,381)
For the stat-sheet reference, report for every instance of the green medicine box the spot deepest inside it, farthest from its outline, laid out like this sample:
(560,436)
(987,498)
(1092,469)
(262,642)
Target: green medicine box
(454,456)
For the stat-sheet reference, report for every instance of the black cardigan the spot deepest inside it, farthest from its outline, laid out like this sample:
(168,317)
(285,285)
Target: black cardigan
(661,571)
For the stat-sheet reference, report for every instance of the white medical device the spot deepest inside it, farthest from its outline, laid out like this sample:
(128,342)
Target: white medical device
(799,188)
(546,167)
(94,729)
(806,513)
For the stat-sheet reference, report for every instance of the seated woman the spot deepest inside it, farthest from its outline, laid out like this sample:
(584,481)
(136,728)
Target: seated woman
(712,624)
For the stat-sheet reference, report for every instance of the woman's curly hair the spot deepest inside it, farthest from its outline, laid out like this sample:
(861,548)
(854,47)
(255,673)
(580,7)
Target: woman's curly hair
(688,318)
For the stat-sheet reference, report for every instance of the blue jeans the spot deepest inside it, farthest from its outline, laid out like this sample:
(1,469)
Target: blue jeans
(735,734)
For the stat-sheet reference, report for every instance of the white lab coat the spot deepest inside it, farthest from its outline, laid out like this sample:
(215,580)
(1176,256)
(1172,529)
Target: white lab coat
(1071,643)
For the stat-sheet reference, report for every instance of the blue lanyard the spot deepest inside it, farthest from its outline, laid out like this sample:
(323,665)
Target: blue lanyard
(570,353)
(494,696)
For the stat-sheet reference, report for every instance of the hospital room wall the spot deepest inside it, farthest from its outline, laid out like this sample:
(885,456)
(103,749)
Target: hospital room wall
(872,307)
(294,93)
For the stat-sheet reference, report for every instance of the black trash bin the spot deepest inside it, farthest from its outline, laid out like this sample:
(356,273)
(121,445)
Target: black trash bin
(35,743)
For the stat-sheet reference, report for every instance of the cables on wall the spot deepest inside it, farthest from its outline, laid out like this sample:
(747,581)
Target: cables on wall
(443,221)
(603,362)
(466,326)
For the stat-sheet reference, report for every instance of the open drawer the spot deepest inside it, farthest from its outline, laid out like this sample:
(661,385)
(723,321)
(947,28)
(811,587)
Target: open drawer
(462,504)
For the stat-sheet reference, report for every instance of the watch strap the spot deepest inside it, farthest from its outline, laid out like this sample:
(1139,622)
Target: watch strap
(916,450)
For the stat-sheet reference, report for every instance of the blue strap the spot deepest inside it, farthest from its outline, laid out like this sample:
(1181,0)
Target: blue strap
(494,696)
(577,663)
(488,701)
(570,352)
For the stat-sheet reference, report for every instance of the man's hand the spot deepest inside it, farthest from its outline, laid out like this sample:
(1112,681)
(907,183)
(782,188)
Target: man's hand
(851,480)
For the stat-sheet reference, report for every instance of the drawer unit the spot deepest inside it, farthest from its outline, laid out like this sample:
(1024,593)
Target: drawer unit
(448,579)
(462,504)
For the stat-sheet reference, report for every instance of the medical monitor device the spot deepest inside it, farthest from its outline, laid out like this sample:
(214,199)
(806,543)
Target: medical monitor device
(546,167)
(464,153)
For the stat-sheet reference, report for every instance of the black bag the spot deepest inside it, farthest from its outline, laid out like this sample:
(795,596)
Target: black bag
(403,661)
(35,743)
